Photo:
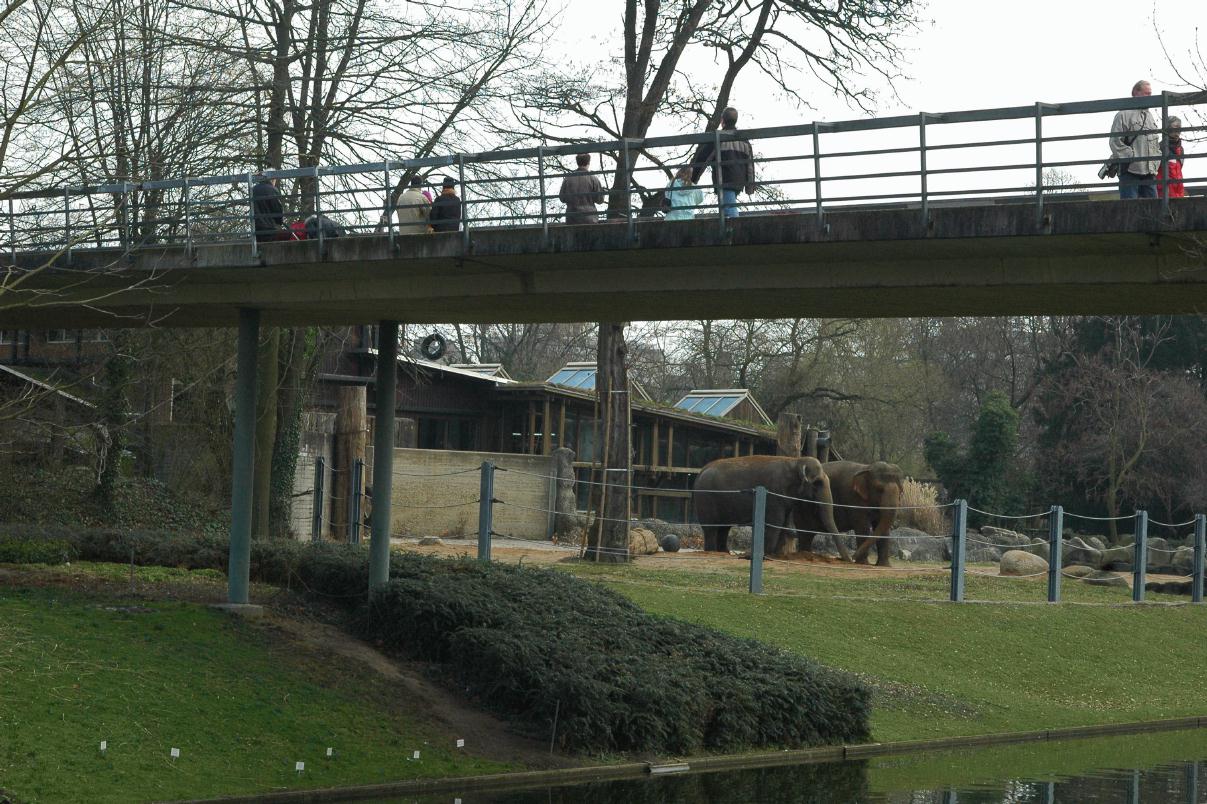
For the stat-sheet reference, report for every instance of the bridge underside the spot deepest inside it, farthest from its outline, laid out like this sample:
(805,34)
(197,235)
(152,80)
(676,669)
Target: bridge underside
(1081,258)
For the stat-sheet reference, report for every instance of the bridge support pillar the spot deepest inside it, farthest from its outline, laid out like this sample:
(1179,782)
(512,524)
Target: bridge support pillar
(383,452)
(244,457)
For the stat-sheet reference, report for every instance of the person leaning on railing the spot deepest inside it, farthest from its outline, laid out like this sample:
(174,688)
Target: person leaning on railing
(581,192)
(1137,147)
(682,196)
(1175,188)
(269,212)
(736,163)
(413,209)
(446,209)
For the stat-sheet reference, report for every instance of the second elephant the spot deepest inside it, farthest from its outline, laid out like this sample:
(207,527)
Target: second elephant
(866,497)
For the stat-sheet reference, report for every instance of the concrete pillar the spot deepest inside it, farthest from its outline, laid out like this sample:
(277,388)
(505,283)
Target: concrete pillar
(244,457)
(383,452)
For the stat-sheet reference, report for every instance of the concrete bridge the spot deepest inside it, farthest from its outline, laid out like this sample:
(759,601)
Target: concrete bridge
(898,250)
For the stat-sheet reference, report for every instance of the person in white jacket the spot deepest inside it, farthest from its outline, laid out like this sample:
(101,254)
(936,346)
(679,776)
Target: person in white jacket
(413,209)
(1135,138)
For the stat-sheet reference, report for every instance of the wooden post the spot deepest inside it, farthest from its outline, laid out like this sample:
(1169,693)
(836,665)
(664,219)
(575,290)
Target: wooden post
(532,427)
(823,445)
(787,435)
(654,456)
(810,448)
(565,499)
(670,444)
(561,426)
(546,429)
(611,382)
(351,427)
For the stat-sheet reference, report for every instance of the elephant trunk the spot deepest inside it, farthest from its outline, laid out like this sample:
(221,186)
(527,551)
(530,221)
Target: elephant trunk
(827,520)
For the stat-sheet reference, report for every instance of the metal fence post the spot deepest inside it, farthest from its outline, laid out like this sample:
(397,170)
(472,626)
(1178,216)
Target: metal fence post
(1163,185)
(126,242)
(716,180)
(316,506)
(464,202)
(1140,557)
(758,535)
(12,231)
(817,171)
(251,215)
(67,223)
(1192,783)
(486,495)
(540,175)
(958,537)
(1056,521)
(922,165)
(628,195)
(188,223)
(385,204)
(1039,164)
(318,207)
(1200,535)
(354,505)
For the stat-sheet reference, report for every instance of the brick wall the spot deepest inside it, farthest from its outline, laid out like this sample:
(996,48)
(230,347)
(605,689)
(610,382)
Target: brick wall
(420,478)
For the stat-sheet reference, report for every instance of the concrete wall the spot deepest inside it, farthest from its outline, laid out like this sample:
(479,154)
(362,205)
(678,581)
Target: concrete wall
(421,479)
(316,441)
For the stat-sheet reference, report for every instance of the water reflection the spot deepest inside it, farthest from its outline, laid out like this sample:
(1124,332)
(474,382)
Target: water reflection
(1148,768)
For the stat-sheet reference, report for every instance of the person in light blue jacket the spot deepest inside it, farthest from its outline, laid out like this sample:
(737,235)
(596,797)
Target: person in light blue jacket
(683,196)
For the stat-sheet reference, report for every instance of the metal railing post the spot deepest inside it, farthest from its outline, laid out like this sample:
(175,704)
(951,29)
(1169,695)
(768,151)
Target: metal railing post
(958,542)
(1140,556)
(758,539)
(540,174)
(316,507)
(1192,783)
(716,180)
(251,215)
(188,222)
(1056,522)
(67,223)
(126,242)
(318,207)
(486,498)
(817,171)
(1200,535)
(12,231)
(922,165)
(1163,185)
(354,508)
(628,194)
(464,202)
(386,205)
(1039,164)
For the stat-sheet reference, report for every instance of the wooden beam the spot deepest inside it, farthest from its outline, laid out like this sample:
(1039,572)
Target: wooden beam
(546,430)
(531,427)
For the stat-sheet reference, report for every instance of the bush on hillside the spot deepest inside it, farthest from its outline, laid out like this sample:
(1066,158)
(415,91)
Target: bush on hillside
(530,644)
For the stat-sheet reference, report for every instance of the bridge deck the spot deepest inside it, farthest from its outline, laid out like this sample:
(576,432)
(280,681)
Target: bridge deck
(1084,257)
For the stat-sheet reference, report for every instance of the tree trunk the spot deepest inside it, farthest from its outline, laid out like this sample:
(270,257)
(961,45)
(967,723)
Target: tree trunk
(565,502)
(611,383)
(115,413)
(289,432)
(266,429)
(351,428)
(787,435)
(810,448)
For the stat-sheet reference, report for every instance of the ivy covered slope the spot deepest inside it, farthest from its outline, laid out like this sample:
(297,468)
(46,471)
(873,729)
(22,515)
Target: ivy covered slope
(536,646)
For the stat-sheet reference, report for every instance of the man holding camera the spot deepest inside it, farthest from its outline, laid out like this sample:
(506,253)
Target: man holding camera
(1136,148)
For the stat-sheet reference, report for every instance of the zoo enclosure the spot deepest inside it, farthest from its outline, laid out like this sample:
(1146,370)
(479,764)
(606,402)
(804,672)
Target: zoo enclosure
(1036,155)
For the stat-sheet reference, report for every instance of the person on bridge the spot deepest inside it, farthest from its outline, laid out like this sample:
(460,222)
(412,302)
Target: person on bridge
(1134,139)
(1175,188)
(267,210)
(413,209)
(736,162)
(446,209)
(581,192)
(683,196)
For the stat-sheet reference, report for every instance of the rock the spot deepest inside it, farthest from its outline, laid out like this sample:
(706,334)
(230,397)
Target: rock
(739,539)
(1102,578)
(427,541)
(1076,551)
(1169,587)
(980,554)
(661,528)
(1160,556)
(1116,558)
(669,543)
(1037,548)
(823,544)
(642,542)
(1077,571)
(920,545)
(1183,561)
(1002,536)
(1021,563)
(1096,542)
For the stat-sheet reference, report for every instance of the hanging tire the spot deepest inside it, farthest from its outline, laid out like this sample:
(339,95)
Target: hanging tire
(432,347)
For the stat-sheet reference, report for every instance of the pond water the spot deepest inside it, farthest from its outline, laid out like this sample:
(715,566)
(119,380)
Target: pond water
(1152,767)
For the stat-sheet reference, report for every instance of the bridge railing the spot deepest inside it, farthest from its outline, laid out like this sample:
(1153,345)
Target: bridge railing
(1038,155)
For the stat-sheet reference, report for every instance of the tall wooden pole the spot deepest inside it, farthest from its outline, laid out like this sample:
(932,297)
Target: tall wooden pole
(612,385)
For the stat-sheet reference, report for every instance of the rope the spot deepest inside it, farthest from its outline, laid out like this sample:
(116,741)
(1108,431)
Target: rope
(1167,525)
(1007,516)
(866,507)
(1100,518)
(630,487)
(996,575)
(438,507)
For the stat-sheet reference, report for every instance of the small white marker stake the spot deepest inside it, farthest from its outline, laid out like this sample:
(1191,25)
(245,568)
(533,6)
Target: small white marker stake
(415,755)
(460,743)
(299,766)
(104,746)
(175,753)
(330,752)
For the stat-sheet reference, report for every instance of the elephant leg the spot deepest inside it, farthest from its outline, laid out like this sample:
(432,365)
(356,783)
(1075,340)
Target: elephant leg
(804,542)
(713,536)
(723,539)
(884,547)
(863,545)
(841,546)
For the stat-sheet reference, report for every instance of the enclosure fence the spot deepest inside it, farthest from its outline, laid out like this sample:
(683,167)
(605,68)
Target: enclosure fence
(1039,155)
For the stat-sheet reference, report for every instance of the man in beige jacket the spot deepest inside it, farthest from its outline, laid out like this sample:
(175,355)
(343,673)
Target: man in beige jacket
(1134,137)
(413,209)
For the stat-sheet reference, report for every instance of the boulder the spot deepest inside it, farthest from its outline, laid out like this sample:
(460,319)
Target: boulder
(1160,556)
(642,542)
(1076,551)
(1116,558)
(1169,587)
(823,544)
(740,539)
(1077,571)
(1096,542)
(669,543)
(1020,563)
(661,528)
(920,545)
(427,541)
(1103,578)
(1002,536)
(1037,548)
(980,554)
(1183,561)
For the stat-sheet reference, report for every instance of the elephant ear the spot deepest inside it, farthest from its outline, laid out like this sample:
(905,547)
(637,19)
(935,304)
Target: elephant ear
(860,484)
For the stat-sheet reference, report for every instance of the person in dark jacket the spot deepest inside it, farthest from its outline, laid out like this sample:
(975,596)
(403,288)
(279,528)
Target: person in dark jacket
(736,163)
(268,211)
(446,209)
(581,191)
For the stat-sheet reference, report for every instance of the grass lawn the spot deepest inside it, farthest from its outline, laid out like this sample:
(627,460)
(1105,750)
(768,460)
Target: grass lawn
(943,669)
(240,703)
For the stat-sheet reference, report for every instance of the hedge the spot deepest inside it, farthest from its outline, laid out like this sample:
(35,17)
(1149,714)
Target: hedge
(539,645)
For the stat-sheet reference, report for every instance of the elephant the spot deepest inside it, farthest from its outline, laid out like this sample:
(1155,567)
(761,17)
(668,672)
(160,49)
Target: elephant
(719,504)
(878,486)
